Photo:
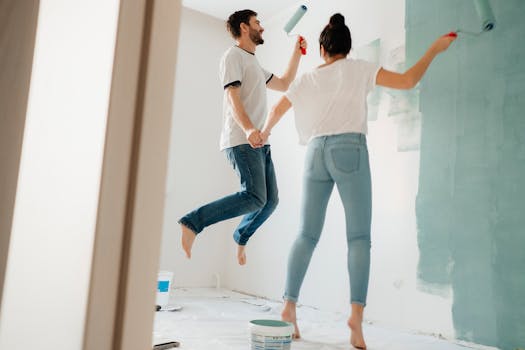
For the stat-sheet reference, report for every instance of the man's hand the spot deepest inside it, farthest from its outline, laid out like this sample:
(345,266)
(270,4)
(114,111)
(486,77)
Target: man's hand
(301,44)
(254,138)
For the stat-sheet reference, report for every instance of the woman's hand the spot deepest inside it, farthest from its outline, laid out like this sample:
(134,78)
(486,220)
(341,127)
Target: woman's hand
(265,134)
(443,42)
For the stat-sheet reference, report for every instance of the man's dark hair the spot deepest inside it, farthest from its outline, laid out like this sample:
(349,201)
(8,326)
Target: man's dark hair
(233,24)
(335,37)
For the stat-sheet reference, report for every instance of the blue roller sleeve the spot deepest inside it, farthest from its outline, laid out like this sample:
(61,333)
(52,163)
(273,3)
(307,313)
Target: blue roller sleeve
(295,18)
(488,21)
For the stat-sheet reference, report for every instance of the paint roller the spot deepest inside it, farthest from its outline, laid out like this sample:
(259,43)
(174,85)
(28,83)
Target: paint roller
(488,22)
(293,21)
(486,16)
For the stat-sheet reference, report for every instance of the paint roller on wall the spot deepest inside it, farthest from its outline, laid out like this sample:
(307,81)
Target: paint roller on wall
(294,20)
(486,16)
(488,21)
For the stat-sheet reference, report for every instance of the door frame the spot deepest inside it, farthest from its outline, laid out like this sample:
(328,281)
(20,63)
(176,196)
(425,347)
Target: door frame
(18,23)
(120,308)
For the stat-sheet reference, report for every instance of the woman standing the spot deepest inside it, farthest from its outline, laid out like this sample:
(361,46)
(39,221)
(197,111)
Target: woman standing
(331,118)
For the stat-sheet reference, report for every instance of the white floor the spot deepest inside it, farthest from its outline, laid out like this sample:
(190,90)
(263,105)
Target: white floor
(212,319)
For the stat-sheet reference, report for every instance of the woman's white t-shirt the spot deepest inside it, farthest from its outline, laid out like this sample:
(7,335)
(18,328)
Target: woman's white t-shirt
(331,100)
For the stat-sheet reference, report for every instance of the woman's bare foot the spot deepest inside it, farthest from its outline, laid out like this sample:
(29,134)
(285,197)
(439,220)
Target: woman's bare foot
(288,315)
(355,323)
(241,255)
(187,239)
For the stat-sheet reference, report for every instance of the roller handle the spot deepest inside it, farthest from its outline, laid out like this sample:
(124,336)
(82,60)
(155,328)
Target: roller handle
(303,50)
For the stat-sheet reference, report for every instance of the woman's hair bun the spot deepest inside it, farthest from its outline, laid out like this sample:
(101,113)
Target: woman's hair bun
(337,19)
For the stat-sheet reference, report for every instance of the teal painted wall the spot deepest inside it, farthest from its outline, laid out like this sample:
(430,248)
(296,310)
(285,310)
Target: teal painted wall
(471,200)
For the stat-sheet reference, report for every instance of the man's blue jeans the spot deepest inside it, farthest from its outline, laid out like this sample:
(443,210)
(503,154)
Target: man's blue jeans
(341,160)
(257,198)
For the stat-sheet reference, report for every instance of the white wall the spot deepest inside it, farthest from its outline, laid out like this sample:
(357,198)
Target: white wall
(49,262)
(198,172)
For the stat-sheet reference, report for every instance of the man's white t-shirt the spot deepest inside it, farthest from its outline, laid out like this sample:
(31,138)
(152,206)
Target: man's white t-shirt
(331,100)
(240,68)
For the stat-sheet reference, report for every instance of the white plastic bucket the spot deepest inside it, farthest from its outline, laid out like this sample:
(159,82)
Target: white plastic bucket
(270,335)
(164,279)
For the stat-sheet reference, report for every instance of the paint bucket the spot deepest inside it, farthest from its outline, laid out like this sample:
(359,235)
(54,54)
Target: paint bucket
(164,279)
(270,335)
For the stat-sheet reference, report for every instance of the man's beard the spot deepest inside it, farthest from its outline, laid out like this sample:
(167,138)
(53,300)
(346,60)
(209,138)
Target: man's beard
(256,37)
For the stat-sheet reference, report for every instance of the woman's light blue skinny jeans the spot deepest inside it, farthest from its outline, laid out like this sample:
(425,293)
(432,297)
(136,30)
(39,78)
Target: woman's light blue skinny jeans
(341,160)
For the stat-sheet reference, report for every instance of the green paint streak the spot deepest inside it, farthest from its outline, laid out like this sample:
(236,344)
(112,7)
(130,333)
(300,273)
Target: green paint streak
(471,201)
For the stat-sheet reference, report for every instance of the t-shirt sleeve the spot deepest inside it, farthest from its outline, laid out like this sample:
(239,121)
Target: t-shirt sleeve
(293,90)
(231,70)
(370,70)
(267,75)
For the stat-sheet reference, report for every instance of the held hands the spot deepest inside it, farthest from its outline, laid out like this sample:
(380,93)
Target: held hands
(257,138)
(254,138)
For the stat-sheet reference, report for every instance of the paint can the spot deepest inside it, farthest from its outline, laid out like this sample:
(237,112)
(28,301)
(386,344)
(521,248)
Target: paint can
(164,279)
(270,335)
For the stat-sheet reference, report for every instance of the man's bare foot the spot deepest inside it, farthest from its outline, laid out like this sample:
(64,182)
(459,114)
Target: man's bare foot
(187,239)
(241,255)
(288,315)
(355,323)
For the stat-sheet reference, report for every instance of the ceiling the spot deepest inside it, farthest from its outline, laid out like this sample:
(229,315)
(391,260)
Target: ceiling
(223,8)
